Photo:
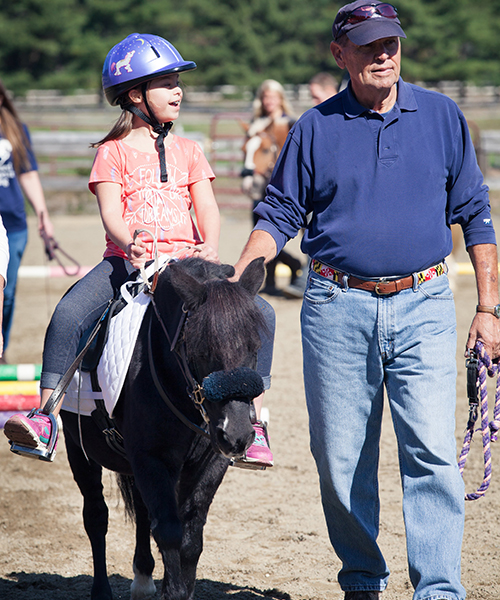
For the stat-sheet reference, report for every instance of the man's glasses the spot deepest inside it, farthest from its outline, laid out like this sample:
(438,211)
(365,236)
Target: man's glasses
(362,13)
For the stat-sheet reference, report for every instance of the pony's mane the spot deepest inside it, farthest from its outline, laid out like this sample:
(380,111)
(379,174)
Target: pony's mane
(226,326)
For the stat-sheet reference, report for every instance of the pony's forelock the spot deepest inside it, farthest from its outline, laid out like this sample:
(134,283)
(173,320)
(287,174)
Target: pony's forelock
(226,327)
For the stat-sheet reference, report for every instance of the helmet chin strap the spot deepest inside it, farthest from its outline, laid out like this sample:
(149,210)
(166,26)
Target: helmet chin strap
(161,129)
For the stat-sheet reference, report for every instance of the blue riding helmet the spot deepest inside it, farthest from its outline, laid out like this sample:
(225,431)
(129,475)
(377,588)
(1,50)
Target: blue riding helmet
(137,59)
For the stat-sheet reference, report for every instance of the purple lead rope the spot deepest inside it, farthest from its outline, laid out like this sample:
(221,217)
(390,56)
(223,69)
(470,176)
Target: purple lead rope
(489,429)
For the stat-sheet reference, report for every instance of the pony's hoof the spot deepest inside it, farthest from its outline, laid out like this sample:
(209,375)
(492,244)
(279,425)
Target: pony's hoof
(142,588)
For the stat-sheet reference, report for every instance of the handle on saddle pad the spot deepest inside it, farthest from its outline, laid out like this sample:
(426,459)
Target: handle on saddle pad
(152,287)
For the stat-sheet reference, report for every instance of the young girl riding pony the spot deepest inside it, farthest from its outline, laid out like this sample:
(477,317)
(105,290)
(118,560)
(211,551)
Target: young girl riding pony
(143,178)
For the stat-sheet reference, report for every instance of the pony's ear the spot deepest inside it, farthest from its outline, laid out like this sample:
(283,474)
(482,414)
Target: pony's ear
(253,276)
(190,290)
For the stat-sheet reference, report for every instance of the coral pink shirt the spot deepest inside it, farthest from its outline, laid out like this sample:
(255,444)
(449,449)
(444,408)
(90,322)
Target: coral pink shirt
(147,203)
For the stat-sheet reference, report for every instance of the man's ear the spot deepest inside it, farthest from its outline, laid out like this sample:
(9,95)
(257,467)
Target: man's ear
(135,95)
(337,53)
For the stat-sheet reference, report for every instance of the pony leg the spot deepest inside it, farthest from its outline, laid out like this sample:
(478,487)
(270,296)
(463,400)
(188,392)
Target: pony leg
(160,500)
(88,476)
(194,503)
(143,585)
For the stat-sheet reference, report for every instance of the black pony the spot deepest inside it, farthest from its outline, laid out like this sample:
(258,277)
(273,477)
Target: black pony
(178,436)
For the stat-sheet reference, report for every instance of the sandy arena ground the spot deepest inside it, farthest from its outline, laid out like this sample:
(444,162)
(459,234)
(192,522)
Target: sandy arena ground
(265,536)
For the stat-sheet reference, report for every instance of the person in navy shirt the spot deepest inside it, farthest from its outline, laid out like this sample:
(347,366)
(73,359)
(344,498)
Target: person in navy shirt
(377,175)
(18,179)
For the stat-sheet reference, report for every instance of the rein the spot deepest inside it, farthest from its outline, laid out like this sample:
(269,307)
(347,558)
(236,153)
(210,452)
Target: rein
(478,365)
(196,395)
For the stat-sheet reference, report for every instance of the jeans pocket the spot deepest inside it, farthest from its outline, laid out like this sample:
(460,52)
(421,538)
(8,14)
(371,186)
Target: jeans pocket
(320,290)
(437,288)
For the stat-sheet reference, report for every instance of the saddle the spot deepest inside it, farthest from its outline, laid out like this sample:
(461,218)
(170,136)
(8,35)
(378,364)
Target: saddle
(96,385)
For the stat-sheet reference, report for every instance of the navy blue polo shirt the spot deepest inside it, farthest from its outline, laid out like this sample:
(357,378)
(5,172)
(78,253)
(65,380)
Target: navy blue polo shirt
(381,191)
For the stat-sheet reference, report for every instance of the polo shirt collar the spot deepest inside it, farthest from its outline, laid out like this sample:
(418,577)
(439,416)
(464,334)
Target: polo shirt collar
(405,101)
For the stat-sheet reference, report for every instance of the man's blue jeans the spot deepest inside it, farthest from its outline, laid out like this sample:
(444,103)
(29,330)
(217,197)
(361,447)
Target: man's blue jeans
(355,344)
(17,245)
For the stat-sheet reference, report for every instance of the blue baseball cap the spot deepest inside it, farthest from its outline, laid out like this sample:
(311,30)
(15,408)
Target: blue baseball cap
(364,22)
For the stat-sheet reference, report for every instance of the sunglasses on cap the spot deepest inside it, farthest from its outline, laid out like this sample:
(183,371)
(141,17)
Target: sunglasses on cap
(362,13)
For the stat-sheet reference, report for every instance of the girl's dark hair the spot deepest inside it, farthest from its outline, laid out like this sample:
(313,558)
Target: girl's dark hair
(12,129)
(123,125)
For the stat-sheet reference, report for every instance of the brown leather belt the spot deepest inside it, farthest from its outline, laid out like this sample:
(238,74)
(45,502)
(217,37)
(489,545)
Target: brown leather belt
(382,286)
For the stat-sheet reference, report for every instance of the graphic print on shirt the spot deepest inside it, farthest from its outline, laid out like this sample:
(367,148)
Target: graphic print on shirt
(6,167)
(157,206)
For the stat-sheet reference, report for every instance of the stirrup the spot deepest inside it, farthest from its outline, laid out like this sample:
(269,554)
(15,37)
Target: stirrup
(46,454)
(241,464)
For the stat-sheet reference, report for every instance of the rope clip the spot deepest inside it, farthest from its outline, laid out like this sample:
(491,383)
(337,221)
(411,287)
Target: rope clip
(472,365)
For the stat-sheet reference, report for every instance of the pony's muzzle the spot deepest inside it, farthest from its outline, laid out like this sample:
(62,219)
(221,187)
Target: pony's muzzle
(232,447)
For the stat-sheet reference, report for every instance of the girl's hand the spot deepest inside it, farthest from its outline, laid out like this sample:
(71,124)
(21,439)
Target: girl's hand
(206,252)
(136,253)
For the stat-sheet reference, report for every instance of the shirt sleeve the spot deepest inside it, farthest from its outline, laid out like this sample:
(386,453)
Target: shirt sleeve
(106,166)
(200,168)
(284,211)
(468,200)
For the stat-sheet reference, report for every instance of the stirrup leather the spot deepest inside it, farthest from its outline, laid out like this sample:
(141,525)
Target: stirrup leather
(46,454)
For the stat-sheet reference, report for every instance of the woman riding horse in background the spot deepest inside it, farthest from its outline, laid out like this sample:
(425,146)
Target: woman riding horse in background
(266,135)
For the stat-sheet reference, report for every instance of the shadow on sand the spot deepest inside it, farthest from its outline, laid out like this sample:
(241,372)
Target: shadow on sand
(43,586)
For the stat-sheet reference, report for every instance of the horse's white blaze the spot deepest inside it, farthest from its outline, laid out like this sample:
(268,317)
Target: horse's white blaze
(142,587)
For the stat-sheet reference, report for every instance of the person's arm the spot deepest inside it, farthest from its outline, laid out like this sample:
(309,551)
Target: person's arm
(207,219)
(260,243)
(485,326)
(32,188)
(109,200)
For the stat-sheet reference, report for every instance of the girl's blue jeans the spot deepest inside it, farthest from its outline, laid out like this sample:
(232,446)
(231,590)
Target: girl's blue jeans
(356,345)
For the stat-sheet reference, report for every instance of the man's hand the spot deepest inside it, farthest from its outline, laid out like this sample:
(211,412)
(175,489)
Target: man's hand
(485,327)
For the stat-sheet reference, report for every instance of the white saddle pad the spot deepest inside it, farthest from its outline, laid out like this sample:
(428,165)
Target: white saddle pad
(115,360)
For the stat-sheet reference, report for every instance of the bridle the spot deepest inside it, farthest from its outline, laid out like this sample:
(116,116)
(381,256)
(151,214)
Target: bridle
(194,389)
(198,392)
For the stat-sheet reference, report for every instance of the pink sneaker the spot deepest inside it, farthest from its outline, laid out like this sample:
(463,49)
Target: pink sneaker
(259,453)
(31,432)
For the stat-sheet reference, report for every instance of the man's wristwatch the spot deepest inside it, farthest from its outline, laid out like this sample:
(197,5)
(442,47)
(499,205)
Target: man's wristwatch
(494,310)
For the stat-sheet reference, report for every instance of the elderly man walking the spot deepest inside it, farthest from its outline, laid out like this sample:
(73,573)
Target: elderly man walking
(383,169)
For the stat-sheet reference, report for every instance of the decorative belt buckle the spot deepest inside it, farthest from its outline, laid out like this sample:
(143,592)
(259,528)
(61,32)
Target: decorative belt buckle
(378,291)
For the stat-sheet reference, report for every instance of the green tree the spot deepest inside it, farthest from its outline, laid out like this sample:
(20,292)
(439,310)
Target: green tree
(62,43)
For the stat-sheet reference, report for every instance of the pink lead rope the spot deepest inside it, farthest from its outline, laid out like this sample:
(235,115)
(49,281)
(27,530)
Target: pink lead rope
(478,364)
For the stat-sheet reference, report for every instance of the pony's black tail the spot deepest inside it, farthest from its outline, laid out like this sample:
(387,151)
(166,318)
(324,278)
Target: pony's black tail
(126,484)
